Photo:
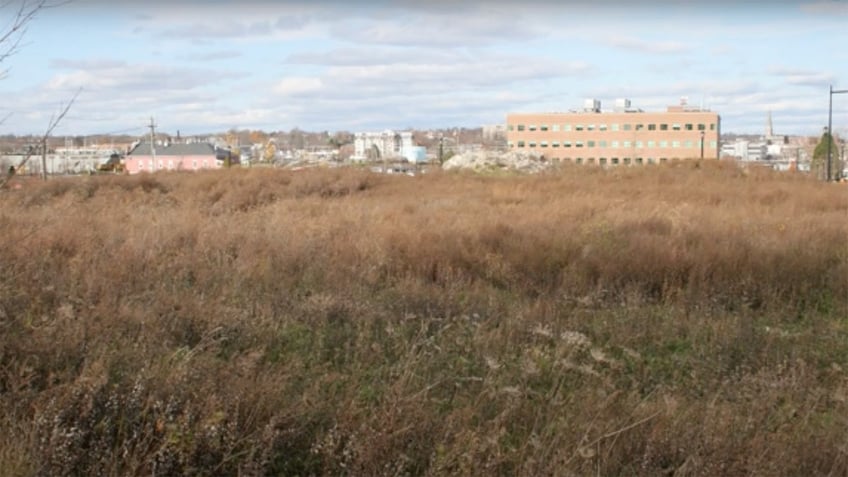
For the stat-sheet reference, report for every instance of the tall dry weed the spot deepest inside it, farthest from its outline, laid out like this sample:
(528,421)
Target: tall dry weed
(685,319)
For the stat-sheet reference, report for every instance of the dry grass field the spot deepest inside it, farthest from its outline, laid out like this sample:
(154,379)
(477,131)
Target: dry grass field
(685,319)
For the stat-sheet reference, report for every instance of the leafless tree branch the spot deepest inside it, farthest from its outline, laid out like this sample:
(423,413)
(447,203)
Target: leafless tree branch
(54,122)
(13,33)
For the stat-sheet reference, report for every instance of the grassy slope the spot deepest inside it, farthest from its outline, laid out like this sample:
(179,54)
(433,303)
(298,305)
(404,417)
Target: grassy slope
(686,319)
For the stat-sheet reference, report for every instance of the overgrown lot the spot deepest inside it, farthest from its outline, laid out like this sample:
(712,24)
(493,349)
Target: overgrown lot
(689,319)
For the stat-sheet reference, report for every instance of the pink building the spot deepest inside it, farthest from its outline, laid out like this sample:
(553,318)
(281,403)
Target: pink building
(174,157)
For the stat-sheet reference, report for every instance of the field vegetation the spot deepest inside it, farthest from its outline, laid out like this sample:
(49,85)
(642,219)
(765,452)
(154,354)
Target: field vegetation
(685,319)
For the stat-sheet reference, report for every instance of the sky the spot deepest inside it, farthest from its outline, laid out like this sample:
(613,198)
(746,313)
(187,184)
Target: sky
(209,66)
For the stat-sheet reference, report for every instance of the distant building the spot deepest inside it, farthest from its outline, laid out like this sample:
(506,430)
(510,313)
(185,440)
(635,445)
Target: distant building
(64,160)
(493,132)
(745,150)
(387,145)
(622,136)
(175,157)
(782,153)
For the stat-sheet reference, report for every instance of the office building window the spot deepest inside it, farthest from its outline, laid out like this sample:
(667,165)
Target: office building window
(566,143)
(639,127)
(689,127)
(675,127)
(626,127)
(627,144)
(614,144)
(578,144)
(615,161)
(652,144)
(689,144)
(712,126)
(510,127)
(602,127)
(675,144)
(602,161)
(663,127)
(702,127)
(521,127)
(663,144)
(626,161)
(578,127)
(639,161)
(520,143)
(543,127)
(590,144)
(713,143)
(652,127)
(590,160)
(543,144)
(532,127)
(590,127)
(602,144)
(579,160)
(566,127)
(639,144)
(613,127)
(554,143)
(531,144)
(555,128)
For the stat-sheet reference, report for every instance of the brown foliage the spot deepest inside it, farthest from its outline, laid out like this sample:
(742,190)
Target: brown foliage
(636,321)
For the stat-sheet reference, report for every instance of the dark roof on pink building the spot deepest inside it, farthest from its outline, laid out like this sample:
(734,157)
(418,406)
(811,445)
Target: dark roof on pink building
(196,149)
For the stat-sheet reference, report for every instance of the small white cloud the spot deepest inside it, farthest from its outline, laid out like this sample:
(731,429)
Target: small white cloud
(802,77)
(214,55)
(298,85)
(645,46)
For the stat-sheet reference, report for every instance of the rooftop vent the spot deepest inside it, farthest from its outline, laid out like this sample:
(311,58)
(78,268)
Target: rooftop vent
(592,106)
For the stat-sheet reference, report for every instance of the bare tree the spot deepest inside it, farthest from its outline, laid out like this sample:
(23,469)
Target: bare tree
(11,37)
(54,121)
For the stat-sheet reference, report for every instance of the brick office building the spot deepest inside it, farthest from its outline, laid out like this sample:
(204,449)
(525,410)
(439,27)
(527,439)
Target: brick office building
(623,136)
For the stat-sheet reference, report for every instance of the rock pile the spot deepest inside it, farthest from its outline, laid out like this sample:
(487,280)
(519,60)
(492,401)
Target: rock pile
(519,161)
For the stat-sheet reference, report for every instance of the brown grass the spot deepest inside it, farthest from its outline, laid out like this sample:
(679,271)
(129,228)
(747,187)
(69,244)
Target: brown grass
(687,319)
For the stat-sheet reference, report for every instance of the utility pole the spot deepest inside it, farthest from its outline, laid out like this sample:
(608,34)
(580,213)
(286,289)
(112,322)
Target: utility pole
(152,127)
(830,126)
(44,159)
(702,144)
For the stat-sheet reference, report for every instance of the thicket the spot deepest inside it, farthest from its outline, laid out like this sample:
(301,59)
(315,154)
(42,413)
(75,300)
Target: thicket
(687,319)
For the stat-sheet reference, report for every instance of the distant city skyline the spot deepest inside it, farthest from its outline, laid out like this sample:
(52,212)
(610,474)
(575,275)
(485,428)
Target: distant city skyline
(207,66)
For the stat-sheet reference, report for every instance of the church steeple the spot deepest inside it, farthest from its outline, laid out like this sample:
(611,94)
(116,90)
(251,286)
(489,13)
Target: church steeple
(769,127)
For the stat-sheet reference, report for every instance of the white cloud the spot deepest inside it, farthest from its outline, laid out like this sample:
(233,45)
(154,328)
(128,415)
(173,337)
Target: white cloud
(298,86)
(802,77)
(645,46)
(214,55)
(348,65)
(830,7)
(415,74)
(111,77)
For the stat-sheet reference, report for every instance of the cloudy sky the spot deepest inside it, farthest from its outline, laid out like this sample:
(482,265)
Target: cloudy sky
(207,66)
